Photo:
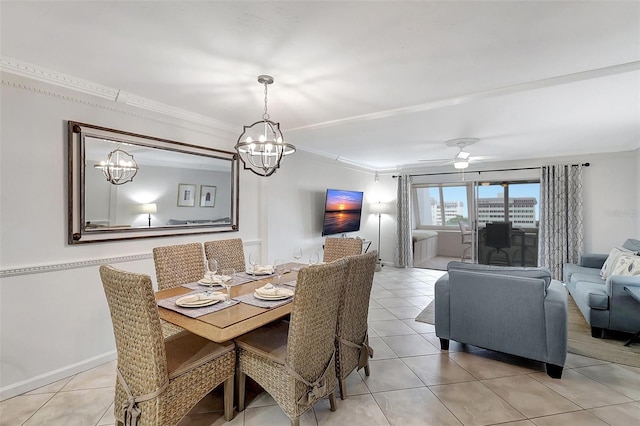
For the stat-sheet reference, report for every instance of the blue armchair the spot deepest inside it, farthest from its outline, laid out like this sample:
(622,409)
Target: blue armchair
(519,311)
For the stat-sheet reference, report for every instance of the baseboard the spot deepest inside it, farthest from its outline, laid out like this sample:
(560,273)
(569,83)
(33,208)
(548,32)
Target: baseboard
(55,375)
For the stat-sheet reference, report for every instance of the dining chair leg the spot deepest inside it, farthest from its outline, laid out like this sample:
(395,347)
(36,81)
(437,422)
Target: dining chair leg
(366,369)
(332,401)
(343,388)
(295,422)
(228,398)
(242,378)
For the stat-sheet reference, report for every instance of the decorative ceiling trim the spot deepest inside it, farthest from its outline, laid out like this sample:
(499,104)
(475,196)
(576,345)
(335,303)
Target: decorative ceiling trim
(442,103)
(35,72)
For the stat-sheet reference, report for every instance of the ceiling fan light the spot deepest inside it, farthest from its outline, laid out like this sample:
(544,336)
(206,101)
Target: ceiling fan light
(461,164)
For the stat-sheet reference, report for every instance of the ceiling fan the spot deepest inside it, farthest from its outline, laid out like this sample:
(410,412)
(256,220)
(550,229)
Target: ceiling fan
(462,159)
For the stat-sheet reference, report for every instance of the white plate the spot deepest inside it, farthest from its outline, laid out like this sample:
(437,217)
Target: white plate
(206,302)
(287,293)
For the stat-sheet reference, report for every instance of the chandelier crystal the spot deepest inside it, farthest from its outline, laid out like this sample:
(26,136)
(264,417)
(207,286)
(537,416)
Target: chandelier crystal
(261,145)
(119,168)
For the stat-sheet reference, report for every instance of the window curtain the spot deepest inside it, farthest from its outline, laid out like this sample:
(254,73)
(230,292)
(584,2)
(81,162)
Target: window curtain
(404,244)
(561,217)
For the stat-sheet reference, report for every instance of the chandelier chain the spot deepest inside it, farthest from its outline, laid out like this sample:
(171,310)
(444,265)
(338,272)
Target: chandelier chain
(265,116)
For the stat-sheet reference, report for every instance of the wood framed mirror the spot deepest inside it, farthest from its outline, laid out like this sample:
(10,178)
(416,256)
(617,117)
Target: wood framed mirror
(176,188)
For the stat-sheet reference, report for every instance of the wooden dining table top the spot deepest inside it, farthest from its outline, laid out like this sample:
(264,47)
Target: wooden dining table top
(229,323)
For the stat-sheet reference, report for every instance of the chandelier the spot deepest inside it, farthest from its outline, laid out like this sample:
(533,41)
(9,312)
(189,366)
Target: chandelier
(119,168)
(261,146)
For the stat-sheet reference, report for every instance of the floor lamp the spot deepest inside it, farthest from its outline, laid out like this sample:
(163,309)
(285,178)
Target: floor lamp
(378,208)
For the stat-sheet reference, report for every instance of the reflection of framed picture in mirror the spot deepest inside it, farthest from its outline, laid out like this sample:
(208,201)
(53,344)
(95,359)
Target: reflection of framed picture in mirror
(186,195)
(207,196)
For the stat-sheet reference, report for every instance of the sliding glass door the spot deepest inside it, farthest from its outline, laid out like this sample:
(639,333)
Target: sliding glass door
(507,222)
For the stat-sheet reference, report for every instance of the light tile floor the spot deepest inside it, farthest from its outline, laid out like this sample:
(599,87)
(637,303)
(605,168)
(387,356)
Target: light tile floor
(412,382)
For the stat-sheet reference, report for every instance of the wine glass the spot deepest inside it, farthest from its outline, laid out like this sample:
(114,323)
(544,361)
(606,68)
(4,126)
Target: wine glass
(228,278)
(253,260)
(212,268)
(297,254)
(278,267)
(314,258)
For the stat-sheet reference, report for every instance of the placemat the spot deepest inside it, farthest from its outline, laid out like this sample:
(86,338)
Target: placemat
(291,283)
(250,299)
(170,303)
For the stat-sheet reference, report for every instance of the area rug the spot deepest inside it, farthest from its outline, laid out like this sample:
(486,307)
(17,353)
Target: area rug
(580,341)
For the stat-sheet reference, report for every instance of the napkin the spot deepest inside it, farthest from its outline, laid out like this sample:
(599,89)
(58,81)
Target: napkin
(211,280)
(263,269)
(269,290)
(200,298)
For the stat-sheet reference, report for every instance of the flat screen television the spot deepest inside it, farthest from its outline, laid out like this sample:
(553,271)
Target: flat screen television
(342,211)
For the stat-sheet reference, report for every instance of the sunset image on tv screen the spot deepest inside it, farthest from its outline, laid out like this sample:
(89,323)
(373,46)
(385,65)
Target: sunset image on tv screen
(343,200)
(342,212)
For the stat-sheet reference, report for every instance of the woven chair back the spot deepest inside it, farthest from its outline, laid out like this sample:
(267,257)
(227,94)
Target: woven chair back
(354,308)
(229,253)
(136,326)
(314,315)
(337,248)
(178,264)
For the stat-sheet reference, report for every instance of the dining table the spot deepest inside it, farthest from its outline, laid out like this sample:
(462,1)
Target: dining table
(230,321)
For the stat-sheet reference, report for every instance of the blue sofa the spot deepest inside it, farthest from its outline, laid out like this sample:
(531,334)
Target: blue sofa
(519,311)
(603,303)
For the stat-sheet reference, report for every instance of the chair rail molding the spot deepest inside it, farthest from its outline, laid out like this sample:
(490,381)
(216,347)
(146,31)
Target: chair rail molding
(53,267)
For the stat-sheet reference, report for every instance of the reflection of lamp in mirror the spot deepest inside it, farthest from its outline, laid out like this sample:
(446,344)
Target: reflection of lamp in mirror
(149,209)
(119,168)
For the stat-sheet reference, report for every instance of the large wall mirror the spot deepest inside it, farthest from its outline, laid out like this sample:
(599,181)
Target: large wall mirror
(175,188)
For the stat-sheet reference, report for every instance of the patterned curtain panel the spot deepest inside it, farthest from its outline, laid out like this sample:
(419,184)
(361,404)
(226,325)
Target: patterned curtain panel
(561,220)
(404,246)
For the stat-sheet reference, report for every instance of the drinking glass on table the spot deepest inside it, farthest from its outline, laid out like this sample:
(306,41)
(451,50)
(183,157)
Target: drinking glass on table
(278,267)
(297,254)
(314,258)
(212,268)
(228,278)
(253,261)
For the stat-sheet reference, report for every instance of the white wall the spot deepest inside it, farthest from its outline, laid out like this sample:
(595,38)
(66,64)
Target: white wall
(54,319)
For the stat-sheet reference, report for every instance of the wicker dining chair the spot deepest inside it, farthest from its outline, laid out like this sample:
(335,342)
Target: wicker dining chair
(337,248)
(159,380)
(294,361)
(352,342)
(229,253)
(177,265)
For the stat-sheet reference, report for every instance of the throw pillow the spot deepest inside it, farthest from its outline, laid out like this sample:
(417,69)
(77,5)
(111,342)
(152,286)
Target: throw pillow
(627,264)
(605,272)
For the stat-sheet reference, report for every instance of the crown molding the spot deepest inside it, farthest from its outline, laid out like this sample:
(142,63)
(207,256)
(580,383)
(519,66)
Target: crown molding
(35,72)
